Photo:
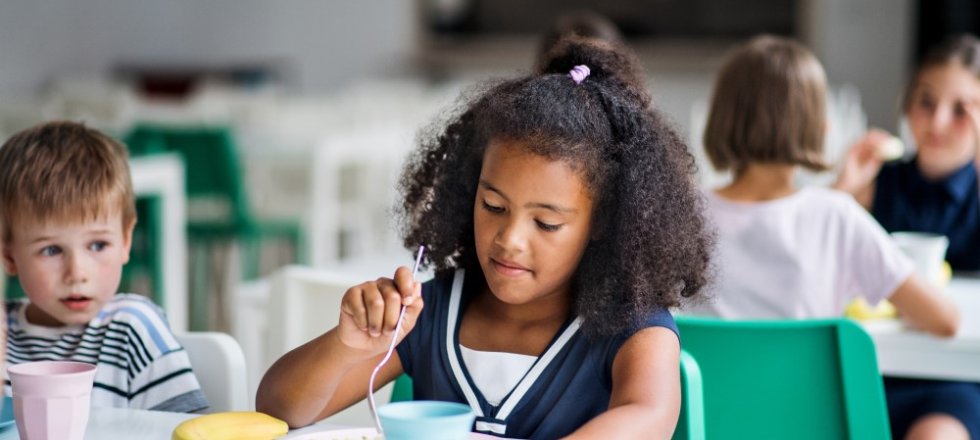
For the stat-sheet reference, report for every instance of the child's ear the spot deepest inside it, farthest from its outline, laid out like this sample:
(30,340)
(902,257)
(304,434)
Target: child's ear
(9,266)
(128,238)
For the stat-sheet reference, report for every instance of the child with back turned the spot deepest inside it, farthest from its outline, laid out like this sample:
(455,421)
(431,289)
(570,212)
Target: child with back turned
(67,217)
(936,191)
(783,251)
(562,222)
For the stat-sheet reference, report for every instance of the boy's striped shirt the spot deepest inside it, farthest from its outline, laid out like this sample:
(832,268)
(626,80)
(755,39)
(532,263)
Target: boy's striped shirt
(140,363)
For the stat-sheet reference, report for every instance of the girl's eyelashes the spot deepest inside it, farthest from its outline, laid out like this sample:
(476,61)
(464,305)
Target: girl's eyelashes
(547,227)
(492,208)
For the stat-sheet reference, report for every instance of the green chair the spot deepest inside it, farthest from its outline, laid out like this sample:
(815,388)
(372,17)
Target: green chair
(145,256)
(690,424)
(214,182)
(12,288)
(402,390)
(814,379)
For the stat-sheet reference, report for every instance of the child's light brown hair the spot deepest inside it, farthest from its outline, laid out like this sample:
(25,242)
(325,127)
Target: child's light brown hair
(63,172)
(769,106)
(962,49)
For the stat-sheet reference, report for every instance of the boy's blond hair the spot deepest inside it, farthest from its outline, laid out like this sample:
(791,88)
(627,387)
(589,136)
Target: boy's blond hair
(769,107)
(63,172)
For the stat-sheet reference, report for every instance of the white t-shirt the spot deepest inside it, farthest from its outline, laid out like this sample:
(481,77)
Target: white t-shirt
(806,255)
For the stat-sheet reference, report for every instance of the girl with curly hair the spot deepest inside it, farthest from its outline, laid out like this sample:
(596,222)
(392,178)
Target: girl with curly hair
(562,221)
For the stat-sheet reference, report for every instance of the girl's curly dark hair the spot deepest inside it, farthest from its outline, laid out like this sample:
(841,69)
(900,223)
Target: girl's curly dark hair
(650,249)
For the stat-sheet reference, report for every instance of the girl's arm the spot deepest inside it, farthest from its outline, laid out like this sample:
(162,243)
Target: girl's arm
(331,372)
(646,395)
(925,308)
(861,166)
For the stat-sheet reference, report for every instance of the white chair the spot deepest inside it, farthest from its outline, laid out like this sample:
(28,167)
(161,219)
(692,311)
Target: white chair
(219,365)
(354,182)
(305,303)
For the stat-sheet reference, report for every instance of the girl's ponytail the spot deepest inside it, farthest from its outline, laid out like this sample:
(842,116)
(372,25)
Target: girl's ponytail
(607,62)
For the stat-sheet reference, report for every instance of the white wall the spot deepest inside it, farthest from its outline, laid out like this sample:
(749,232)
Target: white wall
(329,43)
(326,43)
(867,43)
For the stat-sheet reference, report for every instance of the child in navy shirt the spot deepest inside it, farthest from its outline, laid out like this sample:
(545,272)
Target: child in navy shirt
(562,221)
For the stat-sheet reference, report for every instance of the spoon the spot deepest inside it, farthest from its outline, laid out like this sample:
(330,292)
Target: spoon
(391,348)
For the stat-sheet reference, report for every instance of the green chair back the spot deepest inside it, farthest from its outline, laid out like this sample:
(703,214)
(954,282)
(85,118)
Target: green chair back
(145,252)
(402,390)
(12,288)
(211,164)
(814,379)
(218,210)
(690,424)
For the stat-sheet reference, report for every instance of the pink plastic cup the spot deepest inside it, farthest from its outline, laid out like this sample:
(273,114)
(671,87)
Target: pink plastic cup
(51,399)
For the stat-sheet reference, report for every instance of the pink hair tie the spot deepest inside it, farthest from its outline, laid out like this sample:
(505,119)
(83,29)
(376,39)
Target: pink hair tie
(579,73)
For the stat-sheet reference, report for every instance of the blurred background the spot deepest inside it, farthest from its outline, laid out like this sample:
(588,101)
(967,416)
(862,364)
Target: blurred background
(289,119)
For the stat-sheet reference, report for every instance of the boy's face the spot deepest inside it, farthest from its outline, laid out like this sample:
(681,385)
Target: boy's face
(938,115)
(532,221)
(68,271)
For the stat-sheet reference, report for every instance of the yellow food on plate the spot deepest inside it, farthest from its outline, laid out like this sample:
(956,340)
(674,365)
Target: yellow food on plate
(238,425)
(860,309)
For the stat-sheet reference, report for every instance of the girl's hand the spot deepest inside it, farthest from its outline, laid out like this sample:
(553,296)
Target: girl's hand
(369,312)
(862,162)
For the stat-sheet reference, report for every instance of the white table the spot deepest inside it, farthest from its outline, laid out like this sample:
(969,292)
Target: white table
(163,176)
(905,352)
(116,423)
(119,423)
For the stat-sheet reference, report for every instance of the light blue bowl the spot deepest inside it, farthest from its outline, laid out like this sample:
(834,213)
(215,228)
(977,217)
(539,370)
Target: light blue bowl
(428,420)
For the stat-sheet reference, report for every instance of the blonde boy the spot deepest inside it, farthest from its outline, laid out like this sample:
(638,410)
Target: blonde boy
(67,215)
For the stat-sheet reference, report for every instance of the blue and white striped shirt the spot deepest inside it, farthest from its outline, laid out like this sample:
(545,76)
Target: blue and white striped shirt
(140,362)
